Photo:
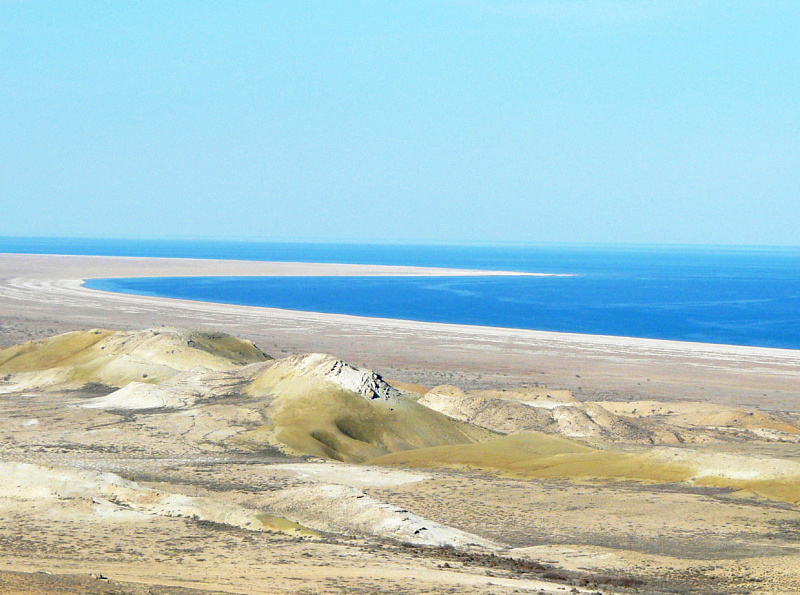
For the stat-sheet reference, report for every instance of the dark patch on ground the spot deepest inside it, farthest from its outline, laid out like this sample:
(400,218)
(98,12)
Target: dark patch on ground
(525,568)
(91,390)
(43,583)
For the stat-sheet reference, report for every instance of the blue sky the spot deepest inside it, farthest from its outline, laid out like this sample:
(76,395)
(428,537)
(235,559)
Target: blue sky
(605,121)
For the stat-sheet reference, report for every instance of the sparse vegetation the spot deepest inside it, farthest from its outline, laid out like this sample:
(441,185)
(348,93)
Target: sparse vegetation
(230,449)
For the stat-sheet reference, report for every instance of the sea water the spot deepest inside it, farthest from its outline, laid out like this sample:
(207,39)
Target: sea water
(740,296)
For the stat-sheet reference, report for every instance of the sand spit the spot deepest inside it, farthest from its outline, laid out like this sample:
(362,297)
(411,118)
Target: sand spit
(38,266)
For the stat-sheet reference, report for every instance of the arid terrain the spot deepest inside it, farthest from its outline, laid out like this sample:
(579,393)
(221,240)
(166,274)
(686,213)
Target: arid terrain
(202,448)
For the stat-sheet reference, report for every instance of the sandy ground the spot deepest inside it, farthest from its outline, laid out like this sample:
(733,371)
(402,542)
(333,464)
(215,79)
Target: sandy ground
(67,529)
(171,531)
(41,295)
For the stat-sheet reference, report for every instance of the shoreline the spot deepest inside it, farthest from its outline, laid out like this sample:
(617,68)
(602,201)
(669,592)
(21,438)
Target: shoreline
(195,267)
(41,293)
(642,342)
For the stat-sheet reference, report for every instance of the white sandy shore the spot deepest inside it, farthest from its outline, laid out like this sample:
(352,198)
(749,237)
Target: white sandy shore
(71,266)
(41,291)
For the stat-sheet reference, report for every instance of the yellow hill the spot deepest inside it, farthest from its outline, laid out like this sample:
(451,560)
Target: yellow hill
(541,455)
(321,406)
(116,358)
(538,455)
(312,404)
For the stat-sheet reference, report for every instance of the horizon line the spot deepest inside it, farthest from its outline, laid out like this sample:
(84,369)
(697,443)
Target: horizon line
(406,243)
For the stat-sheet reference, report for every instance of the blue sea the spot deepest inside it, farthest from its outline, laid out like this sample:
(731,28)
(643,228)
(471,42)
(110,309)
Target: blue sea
(740,296)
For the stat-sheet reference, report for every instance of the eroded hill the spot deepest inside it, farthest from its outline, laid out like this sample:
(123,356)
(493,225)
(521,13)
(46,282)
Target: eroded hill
(213,390)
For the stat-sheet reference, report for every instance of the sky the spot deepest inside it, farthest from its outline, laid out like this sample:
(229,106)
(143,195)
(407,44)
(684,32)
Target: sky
(586,121)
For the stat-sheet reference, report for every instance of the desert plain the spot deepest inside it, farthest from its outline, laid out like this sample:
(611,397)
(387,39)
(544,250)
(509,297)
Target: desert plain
(152,445)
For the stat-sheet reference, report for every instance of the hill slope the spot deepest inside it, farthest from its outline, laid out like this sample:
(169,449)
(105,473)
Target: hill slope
(322,406)
(116,358)
(205,390)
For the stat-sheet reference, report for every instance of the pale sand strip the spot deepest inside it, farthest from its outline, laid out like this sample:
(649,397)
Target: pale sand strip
(45,291)
(46,266)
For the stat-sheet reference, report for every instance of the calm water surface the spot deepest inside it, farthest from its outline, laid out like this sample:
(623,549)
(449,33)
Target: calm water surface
(722,295)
